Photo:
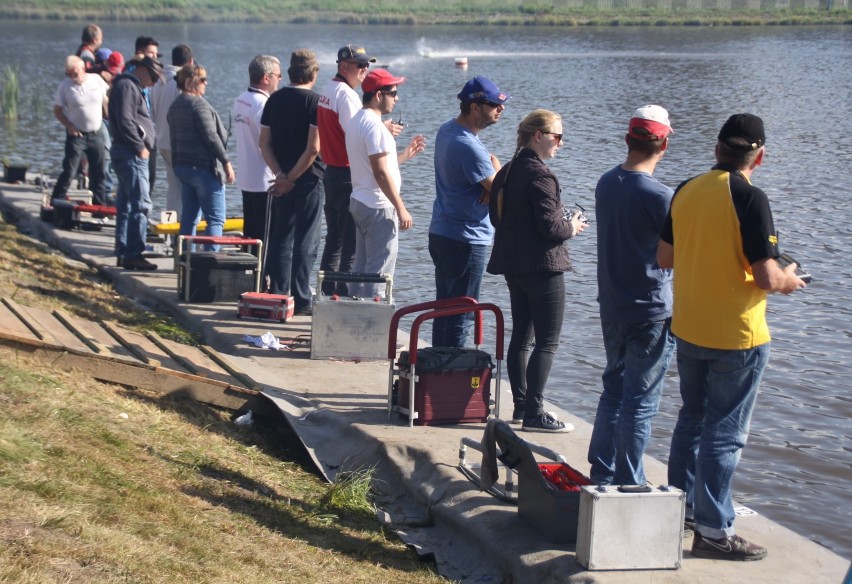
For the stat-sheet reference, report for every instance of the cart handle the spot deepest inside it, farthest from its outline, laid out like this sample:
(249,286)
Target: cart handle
(452,311)
(364,277)
(442,303)
(219,239)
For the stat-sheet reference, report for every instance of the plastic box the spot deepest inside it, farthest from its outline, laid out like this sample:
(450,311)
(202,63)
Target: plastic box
(265,307)
(552,505)
(453,386)
(216,276)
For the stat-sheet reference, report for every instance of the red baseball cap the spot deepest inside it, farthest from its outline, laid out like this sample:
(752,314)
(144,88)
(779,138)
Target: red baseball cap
(115,63)
(378,78)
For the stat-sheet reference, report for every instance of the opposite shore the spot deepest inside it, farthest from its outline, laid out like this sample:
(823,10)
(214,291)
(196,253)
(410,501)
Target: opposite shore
(402,15)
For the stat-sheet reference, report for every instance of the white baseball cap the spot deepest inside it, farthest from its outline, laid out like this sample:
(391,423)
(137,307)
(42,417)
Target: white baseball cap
(654,121)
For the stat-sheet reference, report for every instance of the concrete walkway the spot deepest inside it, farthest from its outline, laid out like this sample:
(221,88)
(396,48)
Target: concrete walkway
(338,409)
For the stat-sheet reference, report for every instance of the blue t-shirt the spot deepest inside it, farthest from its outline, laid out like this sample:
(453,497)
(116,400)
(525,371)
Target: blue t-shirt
(630,210)
(461,161)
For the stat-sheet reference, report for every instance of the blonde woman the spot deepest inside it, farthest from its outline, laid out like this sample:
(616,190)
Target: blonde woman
(529,251)
(199,153)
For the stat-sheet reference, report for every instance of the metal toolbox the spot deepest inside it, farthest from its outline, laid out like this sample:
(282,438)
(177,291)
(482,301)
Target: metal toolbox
(630,528)
(265,307)
(351,328)
(447,395)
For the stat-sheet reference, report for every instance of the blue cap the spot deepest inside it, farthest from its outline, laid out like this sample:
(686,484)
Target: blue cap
(482,89)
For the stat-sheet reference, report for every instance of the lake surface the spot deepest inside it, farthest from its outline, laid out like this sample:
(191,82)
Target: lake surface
(797,466)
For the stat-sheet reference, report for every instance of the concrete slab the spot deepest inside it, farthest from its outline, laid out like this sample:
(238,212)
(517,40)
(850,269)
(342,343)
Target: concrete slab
(339,410)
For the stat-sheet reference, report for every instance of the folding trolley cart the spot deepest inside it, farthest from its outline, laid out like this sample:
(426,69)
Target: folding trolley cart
(205,276)
(452,385)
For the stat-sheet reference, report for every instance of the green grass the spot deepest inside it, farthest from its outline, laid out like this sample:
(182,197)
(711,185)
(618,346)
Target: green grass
(101,483)
(10,93)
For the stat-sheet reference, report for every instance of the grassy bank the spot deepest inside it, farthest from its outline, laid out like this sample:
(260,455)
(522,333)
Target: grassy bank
(418,12)
(101,483)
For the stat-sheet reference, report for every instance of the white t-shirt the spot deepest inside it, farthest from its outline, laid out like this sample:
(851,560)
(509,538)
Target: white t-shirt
(161,95)
(252,173)
(83,104)
(367,135)
(338,103)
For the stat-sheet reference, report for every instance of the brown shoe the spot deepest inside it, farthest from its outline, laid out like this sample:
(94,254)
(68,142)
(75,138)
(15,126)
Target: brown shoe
(727,548)
(138,263)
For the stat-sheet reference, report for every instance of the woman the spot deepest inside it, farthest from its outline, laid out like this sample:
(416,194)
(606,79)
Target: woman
(199,154)
(529,250)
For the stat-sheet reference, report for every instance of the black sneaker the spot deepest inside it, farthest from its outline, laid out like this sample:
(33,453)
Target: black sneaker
(305,311)
(138,263)
(688,527)
(728,548)
(545,423)
(518,415)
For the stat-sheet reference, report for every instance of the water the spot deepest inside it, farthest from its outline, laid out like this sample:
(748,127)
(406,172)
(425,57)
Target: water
(796,468)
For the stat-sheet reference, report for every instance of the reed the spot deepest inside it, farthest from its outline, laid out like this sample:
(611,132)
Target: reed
(11,93)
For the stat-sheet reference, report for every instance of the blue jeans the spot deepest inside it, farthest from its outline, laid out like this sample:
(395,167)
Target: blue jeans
(719,390)
(338,255)
(294,240)
(201,190)
(376,245)
(538,309)
(132,202)
(459,268)
(90,145)
(637,357)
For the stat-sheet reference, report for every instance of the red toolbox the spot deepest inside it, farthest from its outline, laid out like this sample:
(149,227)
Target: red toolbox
(454,386)
(266,307)
(441,385)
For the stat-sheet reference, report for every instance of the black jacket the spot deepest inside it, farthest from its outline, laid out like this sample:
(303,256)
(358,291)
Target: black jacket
(531,235)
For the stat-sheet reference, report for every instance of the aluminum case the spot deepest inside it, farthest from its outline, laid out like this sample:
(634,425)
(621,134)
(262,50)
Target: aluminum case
(630,530)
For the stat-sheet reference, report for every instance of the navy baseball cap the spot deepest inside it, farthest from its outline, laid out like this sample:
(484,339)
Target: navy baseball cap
(483,89)
(353,53)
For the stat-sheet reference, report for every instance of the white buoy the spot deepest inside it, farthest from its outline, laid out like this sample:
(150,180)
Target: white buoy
(461,62)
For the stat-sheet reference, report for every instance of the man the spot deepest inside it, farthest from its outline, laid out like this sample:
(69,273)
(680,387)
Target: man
(91,40)
(162,96)
(254,177)
(80,104)
(338,103)
(132,139)
(720,238)
(376,203)
(146,46)
(460,231)
(635,298)
(290,144)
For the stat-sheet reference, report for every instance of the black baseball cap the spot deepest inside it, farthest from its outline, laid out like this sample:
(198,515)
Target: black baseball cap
(353,53)
(743,132)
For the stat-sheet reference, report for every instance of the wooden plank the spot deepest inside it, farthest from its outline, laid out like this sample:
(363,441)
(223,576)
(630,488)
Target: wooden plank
(232,369)
(28,321)
(139,375)
(202,364)
(174,354)
(121,335)
(99,334)
(52,329)
(71,324)
(11,325)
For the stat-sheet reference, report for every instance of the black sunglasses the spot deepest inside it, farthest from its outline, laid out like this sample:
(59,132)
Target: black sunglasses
(391,93)
(555,135)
